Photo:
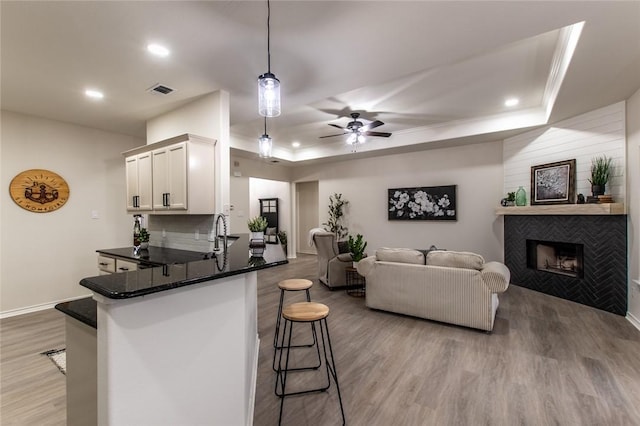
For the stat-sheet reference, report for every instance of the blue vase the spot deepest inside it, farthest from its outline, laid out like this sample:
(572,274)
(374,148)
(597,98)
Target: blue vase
(521,197)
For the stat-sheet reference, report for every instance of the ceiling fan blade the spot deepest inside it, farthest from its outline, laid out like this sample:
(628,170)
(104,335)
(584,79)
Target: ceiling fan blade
(335,125)
(372,125)
(331,136)
(380,134)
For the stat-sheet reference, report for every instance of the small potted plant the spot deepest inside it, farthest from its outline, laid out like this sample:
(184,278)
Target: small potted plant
(282,236)
(601,168)
(144,238)
(257,225)
(357,246)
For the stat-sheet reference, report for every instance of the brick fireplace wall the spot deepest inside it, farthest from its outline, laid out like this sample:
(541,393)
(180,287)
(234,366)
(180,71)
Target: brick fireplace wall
(604,237)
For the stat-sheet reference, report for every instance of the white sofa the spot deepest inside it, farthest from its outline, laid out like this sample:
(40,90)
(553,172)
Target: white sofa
(452,287)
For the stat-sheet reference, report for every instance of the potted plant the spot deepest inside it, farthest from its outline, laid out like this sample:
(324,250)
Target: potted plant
(336,213)
(510,200)
(357,246)
(282,236)
(144,238)
(600,172)
(257,225)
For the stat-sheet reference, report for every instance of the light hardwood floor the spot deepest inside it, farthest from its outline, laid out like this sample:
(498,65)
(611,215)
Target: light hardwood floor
(547,362)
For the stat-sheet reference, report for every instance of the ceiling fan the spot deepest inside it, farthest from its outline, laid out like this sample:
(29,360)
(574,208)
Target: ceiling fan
(357,130)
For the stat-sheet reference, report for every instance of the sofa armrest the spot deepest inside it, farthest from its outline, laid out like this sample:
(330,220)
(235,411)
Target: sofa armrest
(365,266)
(496,275)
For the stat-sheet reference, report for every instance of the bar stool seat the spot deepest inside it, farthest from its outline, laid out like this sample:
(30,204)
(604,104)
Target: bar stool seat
(306,312)
(292,284)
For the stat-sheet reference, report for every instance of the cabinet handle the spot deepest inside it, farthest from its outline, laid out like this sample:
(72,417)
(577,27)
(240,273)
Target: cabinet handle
(165,199)
(123,268)
(168,202)
(103,264)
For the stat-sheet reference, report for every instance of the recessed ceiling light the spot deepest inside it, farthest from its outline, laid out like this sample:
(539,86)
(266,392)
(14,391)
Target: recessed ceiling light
(511,102)
(94,94)
(158,50)
(295,144)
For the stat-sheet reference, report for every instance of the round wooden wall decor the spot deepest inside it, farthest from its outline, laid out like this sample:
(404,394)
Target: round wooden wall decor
(39,191)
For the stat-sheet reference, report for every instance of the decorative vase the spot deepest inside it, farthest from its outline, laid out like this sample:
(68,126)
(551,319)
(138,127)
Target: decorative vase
(354,264)
(144,245)
(257,235)
(521,197)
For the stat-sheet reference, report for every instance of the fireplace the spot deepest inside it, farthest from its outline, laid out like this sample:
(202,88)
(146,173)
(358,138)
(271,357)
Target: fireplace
(582,258)
(556,257)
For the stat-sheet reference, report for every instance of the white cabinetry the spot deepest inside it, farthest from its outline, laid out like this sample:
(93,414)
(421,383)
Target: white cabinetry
(170,177)
(139,182)
(109,265)
(178,174)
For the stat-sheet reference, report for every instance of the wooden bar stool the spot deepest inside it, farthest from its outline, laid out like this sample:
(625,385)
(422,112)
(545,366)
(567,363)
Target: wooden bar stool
(305,312)
(293,284)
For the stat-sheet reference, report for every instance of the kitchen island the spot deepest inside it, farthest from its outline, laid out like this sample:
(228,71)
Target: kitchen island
(178,343)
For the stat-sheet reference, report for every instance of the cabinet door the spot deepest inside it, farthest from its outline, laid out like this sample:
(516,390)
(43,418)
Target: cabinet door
(131,166)
(139,184)
(178,176)
(145,183)
(160,178)
(170,177)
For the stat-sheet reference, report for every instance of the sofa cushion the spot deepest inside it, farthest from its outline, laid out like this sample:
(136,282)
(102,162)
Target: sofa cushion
(400,255)
(455,259)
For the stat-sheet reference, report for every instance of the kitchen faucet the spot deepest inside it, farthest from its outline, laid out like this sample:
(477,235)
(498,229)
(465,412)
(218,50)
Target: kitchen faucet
(220,217)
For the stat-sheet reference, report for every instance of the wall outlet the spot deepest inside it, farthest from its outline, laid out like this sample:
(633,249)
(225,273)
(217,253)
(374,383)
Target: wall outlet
(164,233)
(197,234)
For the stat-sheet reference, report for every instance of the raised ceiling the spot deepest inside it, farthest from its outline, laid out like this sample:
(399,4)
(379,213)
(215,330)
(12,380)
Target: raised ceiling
(432,71)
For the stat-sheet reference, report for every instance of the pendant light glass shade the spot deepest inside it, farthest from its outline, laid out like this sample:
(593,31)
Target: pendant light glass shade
(268,95)
(265,144)
(268,84)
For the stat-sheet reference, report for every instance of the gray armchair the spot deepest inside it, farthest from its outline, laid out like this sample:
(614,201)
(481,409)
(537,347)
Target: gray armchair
(331,263)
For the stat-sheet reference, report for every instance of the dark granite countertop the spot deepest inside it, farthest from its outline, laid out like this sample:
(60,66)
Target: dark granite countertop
(235,261)
(84,310)
(156,256)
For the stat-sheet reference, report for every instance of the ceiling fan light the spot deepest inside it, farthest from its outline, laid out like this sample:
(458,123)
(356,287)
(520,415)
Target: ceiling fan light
(268,95)
(265,145)
(361,139)
(352,139)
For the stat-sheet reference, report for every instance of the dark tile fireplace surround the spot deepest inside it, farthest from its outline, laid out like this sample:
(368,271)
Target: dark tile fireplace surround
(602,241)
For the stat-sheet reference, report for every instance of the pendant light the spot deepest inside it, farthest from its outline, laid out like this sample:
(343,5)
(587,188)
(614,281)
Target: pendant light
(268,84)
(265,143)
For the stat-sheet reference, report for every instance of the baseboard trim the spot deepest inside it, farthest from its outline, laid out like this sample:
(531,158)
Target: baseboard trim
(36,308)
(633,320)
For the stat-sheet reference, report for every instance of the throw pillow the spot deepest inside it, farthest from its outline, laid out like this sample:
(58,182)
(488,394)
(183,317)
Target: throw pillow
(400,255)
(455,259)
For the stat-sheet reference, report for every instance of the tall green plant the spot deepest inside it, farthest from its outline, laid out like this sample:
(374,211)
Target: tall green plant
(336,214)
(600,170)
(257,224)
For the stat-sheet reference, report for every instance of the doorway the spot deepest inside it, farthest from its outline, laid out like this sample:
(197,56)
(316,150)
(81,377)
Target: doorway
(307,214)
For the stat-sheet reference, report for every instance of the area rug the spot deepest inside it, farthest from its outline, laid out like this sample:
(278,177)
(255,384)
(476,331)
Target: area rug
(59,358)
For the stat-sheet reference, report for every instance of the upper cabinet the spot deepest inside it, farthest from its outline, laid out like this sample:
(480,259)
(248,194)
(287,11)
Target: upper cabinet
(139,182)
(175,176)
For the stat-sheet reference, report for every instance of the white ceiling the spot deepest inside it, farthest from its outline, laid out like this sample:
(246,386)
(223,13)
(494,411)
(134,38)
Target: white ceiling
(432,71)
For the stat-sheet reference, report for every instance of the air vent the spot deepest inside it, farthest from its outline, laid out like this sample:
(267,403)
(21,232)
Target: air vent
(160,89)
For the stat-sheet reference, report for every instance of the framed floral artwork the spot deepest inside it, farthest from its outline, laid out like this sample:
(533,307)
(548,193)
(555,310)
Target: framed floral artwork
(422,203)
(553,183)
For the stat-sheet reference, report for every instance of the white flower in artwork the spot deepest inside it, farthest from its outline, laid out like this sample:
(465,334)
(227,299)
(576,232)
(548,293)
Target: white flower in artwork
(451,212)
(439,213)
(412,215)
(444,201)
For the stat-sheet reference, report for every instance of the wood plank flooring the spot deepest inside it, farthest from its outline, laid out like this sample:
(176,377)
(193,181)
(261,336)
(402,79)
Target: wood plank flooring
(547,362)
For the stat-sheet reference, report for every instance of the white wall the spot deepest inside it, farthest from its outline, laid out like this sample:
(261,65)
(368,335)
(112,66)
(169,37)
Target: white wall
(633,202)
(308,208)
(45,255)
(593,134)
(475,169)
